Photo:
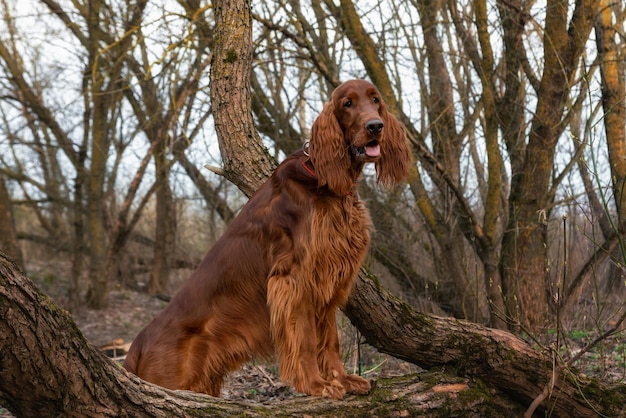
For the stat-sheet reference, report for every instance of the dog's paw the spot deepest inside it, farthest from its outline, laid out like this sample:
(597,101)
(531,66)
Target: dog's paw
(356,384)
(327,389)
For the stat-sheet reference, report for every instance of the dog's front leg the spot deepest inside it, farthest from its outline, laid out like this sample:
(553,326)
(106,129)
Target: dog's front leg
(330,358)
(295,338)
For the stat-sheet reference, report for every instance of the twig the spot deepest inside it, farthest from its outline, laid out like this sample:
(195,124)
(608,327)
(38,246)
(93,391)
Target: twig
(217,170)
(267,376)
(376,367)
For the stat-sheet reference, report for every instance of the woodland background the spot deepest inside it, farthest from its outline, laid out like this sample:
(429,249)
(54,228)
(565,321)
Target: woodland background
(514,215)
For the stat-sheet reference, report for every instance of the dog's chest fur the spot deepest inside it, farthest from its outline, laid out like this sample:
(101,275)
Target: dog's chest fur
(340,238)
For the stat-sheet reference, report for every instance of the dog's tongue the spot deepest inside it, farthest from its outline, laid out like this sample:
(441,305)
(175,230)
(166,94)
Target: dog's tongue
(372,151)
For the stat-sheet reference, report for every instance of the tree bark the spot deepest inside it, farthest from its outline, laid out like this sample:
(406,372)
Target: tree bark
(246,161)
(493,202)
(8,234)
(612,71)
(165,232)
(47,368)
(79,381)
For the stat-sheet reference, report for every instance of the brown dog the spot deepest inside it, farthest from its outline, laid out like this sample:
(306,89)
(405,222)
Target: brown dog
(274,281)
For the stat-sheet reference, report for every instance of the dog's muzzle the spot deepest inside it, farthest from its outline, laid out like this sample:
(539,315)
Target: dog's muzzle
(372,149)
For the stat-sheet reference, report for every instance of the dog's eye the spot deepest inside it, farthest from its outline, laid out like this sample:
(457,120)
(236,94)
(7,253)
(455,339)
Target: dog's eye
(348,103)
(375,99)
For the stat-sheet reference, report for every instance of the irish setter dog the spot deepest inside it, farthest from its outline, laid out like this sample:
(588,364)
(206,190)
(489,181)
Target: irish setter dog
(273,282)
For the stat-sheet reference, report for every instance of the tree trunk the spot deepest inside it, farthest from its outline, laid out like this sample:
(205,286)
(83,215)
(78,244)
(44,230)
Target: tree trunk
(97,294)
(165,233)
(612,71)
(8,234)
(246,161)
(78,218)
(47,368)
(106,87)
(33,327)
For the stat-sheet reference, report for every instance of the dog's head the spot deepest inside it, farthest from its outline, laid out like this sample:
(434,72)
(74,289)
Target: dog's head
(354,128)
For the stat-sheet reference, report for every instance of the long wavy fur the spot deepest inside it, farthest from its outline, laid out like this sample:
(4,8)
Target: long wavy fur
(329,152)
(395,157)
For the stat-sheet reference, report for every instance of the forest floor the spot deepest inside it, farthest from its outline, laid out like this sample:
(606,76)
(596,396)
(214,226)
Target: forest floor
(129,311)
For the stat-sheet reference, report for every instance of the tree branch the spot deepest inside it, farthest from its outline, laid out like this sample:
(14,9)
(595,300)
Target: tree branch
(499,359)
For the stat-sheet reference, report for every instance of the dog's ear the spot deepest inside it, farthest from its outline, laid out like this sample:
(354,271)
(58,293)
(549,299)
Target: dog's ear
(395,156)
(329,152)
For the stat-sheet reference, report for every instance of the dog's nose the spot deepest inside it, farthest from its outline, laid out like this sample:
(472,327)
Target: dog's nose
(374,126)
